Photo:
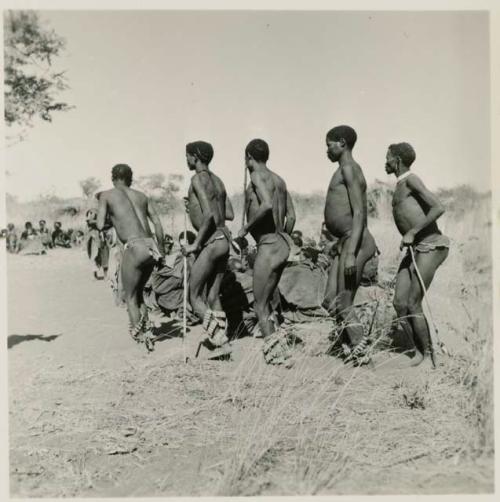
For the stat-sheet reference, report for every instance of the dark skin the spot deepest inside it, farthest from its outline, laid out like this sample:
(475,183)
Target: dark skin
(269,210)
(346,218)
(209,208)
(415,210)
(129,212)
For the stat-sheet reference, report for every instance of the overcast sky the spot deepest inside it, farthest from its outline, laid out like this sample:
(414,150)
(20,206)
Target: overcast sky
(145,83)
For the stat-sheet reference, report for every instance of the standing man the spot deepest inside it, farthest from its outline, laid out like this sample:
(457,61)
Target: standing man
(346,219)
(415,210)
(270,221)
(129,211)
(209,208)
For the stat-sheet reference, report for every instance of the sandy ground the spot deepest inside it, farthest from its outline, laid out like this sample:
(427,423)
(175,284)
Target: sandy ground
(92,414)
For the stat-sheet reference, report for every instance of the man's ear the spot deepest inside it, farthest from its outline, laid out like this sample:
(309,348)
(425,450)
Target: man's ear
(342,142)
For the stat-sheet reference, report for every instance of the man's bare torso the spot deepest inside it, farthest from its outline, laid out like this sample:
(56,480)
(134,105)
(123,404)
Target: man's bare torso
(128,210)
(275,221)
(338,211)
(216,194)
(409,210)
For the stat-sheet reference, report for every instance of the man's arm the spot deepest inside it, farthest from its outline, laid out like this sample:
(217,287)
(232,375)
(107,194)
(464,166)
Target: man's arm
(436,209)
(229,209)
(290,214)
(155,220)
(102,211)
(208,216)
(265,199)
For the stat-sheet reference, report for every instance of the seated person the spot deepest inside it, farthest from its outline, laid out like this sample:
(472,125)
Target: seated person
(44,233)
(59,237)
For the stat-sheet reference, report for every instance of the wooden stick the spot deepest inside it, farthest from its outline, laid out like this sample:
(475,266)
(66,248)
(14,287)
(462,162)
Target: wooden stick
(244,198)
(185,293)
(433,331)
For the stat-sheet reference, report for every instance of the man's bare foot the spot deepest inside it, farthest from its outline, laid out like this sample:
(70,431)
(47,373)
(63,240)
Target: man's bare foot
(417,359)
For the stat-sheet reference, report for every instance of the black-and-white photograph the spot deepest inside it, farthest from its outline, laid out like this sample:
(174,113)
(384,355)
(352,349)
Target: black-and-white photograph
(248,252)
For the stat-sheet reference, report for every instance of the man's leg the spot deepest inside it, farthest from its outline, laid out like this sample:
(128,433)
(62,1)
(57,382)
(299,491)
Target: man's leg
(347,292)
(427,264)
(132,271)
(214,282)
(201,271)
(331,289)
(268,267)
(400,303)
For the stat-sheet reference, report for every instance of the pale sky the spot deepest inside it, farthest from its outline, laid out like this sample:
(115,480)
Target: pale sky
(146,83)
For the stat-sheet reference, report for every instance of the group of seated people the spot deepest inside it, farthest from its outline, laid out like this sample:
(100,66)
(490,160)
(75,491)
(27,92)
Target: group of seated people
(38,240)
(299,296)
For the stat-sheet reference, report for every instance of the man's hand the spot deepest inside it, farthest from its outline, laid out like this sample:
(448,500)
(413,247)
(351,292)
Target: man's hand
(243,231)
(190,249)
(186,204)
(408,239)
(350,271)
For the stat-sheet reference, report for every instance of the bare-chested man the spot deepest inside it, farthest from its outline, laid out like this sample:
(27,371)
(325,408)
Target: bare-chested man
(270,221)
(346,219)
(415,210)
(209,208)
(129,211)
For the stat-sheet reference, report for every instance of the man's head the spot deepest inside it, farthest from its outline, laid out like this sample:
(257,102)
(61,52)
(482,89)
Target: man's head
(10,226)
(199,152)
(57,225)
(42,223)
(168,243)
(400,156)
(256,152)
(28,225)
(338,140)
(190,238)
(297,238)
(121,174)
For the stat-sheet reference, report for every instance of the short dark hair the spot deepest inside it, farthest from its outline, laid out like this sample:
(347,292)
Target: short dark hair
(345,132)
(258,149)
(122,172)
(190,236)
(42,221)
(405,152)
(28,224)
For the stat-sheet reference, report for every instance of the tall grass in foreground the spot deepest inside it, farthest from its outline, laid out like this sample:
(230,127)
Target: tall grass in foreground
(292,431)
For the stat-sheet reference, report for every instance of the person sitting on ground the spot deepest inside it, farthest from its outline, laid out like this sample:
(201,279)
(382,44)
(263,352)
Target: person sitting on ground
(30,242)
(60,237)
(168,244)
(296,249)
(44,233)
(78,238)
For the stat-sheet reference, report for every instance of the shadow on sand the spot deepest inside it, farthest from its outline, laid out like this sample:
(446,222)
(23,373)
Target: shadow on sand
(13,340)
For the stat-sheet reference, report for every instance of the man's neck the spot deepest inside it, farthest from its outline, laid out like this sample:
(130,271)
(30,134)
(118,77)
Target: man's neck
(200,168)
(401,171)
(258,166)
(345,158)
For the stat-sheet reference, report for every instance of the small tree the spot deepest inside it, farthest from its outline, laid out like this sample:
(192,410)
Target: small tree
(162,190)
(31,85)
(89,186)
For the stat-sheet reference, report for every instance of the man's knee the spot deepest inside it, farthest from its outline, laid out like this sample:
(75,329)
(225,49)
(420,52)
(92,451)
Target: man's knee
(414,305)
(400,306)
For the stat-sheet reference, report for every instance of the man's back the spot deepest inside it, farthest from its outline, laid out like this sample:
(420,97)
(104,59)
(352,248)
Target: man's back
(128,210)
(215,193)
(277,190)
